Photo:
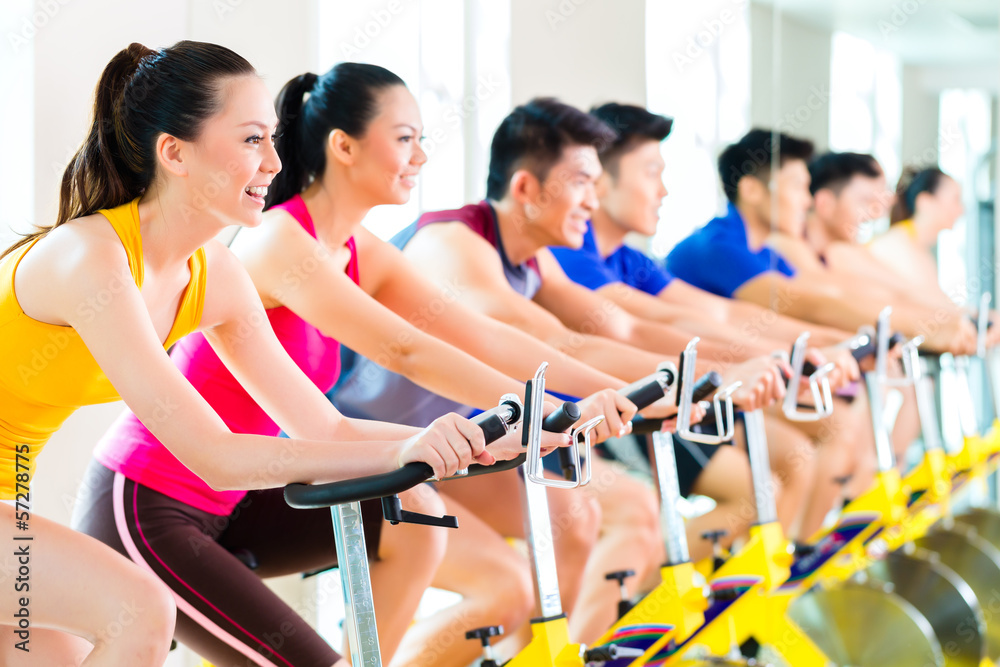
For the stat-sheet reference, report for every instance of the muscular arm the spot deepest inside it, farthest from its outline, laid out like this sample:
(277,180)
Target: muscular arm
(329,300)
(399,286)
(809,297)
(691,320)
(581,309)
(450,253)
(750,318)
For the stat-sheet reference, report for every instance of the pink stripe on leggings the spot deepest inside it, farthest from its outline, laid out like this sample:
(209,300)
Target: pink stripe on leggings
(182,604)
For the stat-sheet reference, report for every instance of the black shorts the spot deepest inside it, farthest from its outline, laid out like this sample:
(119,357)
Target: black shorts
(225,612)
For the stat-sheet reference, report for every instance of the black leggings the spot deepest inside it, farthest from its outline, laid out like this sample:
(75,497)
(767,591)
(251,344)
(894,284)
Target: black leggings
(225,613)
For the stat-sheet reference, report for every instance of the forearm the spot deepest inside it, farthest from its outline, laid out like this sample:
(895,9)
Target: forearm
(752,319)
(457,375)
(723,341)
(349,429)
(609,356)
(242,462)
(519,354)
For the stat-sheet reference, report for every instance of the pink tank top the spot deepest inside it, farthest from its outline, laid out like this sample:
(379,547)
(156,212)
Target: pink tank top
(129,448)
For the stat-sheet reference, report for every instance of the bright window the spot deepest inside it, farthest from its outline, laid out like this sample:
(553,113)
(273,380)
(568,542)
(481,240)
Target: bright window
(698,72)
(453,57)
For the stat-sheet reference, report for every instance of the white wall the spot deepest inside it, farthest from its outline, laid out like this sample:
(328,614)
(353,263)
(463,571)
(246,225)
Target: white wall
(791,94)
(920,118)
(582,51)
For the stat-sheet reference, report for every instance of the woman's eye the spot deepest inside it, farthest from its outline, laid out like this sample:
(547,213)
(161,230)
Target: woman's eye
(407,139)
(255,139)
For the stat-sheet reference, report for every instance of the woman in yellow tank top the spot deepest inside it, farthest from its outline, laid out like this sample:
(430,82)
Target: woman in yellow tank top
(181,146)
(928,201)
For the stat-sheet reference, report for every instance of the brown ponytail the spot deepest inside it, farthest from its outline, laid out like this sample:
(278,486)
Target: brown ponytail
(141,94)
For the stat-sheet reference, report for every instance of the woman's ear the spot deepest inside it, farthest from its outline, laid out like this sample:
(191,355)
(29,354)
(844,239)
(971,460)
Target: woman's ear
(171,154)
(342,147)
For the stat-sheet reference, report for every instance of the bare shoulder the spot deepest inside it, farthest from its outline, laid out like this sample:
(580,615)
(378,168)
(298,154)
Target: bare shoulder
(450,239)
(449,250)
(795,251)
(69,263)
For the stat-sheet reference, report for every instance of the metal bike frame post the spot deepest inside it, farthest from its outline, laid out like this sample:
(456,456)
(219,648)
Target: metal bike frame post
(671,523)
(760,467)
(362,632)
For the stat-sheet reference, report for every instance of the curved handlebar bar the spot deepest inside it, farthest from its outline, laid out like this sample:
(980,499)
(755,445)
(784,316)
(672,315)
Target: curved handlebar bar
(494,423)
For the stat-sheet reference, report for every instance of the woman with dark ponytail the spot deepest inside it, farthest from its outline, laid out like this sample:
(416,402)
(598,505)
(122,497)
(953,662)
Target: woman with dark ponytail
(350,140)
(181,146)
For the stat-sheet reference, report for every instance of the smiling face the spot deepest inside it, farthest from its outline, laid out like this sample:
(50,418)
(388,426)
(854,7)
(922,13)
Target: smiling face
(560,206)
(633,196)
(232,161)
(861,199)
(389,155)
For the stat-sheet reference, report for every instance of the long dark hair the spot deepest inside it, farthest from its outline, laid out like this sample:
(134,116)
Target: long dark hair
(344,98)
(912,182)
(141,94)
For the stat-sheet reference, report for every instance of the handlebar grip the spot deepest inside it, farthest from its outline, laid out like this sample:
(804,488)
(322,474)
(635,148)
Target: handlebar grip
(707,384)
(313,496)
(499,466)
(868,349)
(559,421)
(645,395)
(493,426)
(643,426)
(563,417)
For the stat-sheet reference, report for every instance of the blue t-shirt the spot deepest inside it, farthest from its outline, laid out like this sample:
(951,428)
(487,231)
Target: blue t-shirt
(717,258)
(625,265)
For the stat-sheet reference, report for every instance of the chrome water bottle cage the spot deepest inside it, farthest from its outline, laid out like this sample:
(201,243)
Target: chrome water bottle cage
(819,386)
(580,462)
(722,403)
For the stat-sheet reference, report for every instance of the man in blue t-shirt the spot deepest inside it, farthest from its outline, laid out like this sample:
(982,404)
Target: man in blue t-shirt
(730,251)
(734,255)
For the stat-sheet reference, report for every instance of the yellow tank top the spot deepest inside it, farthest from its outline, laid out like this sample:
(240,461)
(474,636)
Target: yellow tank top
(909,227)
(47,370)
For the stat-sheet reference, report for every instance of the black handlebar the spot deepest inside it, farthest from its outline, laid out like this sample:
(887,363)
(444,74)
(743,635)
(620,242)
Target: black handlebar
(859,353)
(704,387)
(562,418)
(313,496)
(649,389)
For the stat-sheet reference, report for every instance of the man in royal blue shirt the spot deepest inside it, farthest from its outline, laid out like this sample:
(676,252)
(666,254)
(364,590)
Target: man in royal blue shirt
(730,250)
